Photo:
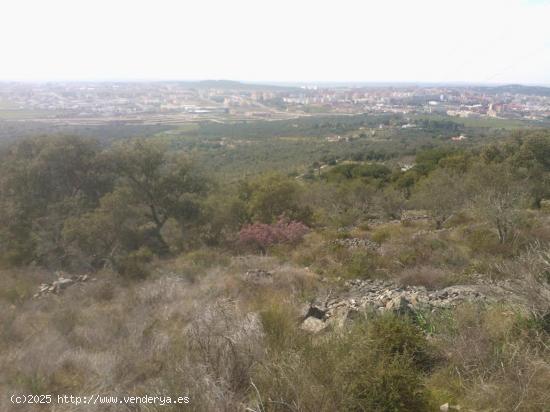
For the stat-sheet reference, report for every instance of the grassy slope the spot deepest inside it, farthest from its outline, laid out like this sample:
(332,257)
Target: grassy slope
(170,333)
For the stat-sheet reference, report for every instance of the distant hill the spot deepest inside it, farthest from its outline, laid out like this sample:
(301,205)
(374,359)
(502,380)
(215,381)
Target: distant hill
(232,85)
(518,89)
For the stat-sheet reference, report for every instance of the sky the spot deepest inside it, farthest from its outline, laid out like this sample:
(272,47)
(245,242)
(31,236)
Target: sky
(474,41)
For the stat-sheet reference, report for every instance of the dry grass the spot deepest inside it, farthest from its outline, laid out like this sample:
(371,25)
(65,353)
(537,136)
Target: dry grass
(189,335)
(198,328)
(427,276)
(495,360)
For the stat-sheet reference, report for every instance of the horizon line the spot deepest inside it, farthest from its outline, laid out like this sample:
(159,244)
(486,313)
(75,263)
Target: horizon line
(278,82)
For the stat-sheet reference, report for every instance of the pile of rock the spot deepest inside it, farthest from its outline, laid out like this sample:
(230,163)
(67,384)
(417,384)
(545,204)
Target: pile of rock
(63,281)
(367,296)
(356,243)
(412,215)
(259,276)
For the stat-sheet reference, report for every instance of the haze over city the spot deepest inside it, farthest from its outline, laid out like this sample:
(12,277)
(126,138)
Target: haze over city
(277,41)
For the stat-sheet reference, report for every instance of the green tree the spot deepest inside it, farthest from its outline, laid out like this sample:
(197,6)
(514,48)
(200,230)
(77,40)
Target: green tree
(42,182)
(103,236)
(499,197)
(164,185)
(273,195)
(442,193)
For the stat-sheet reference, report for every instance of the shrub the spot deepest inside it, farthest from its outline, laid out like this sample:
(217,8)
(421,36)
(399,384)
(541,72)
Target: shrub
(134,265)
(384,383)
(262,235)
(368,368)
(394,335)
(428,276)
(362,265)
(279,326)
(482,240)
(225,344)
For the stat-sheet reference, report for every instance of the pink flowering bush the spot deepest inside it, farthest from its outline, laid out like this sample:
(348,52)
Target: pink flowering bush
(262,235)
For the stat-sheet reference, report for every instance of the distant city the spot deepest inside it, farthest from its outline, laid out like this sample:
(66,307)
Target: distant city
(179,102)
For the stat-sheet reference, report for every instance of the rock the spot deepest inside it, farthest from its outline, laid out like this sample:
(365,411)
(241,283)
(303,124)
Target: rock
(258,276)
(446,407)
(356,243)
(313,325)
(399,305)
(362,296)
(81,278)
(315,311)
(411,215)
(63,282)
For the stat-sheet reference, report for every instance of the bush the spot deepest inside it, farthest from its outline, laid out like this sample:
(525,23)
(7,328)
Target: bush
(362,265)
(384,383)
(262,235)
(427,276)
(395,335)
(376,367)
(135,264)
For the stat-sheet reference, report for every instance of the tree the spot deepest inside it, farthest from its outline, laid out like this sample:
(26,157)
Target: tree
(532,160)
(108,233)
(222,217)
(499,197)
(271,196)
(42,182)
(441,193)
(165,186)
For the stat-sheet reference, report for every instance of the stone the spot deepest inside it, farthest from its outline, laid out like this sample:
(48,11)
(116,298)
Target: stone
(258,276)
(363,295)
(356,243)
(399,304)
(61,284)
(313,325)
(447,407)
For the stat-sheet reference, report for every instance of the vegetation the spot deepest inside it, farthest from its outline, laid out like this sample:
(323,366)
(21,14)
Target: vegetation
(169,238)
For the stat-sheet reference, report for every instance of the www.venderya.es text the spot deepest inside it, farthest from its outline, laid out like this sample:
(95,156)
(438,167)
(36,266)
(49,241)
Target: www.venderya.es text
(98,399)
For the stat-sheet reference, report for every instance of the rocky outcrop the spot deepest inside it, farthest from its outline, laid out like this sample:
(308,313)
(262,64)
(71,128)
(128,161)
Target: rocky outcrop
(258,276)
(362,297)
(412,215)
(63,281)
(356,243)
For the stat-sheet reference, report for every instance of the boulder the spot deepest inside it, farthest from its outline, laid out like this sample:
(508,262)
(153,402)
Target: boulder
(313,325)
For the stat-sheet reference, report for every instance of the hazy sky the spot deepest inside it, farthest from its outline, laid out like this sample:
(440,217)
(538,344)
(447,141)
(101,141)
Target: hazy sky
(498,41)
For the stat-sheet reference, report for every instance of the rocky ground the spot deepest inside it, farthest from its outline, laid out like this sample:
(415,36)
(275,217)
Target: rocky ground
(63,282)
(361,297)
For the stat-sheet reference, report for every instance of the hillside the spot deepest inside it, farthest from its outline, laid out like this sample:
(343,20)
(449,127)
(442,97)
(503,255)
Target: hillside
(137,268)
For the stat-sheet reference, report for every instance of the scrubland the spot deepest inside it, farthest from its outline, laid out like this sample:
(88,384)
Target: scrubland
(169,309)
